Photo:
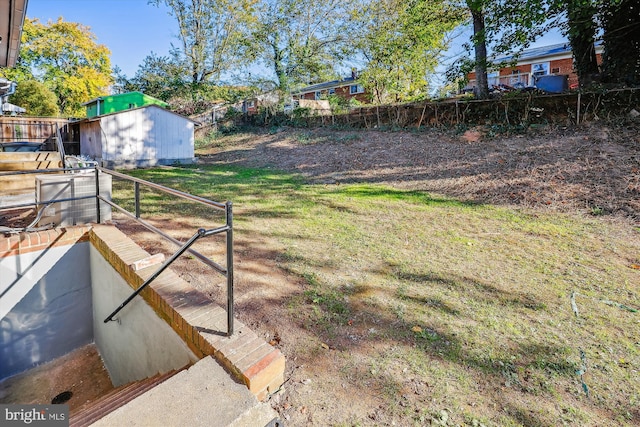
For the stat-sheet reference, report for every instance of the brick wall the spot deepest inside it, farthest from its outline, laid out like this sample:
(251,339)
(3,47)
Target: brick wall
(18,244)
(509,70)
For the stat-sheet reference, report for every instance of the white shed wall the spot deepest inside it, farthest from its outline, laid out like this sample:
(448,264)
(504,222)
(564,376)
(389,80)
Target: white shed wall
(143,137)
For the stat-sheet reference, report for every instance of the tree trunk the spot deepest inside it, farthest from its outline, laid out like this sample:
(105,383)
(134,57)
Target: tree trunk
(480,47)
(581,35)
(279,66)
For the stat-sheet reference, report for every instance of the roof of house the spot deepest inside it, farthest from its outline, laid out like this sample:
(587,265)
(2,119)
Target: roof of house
(540,52)
(12,14)
(328,85)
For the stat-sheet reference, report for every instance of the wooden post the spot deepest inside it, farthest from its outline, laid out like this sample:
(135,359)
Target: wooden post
(578,110)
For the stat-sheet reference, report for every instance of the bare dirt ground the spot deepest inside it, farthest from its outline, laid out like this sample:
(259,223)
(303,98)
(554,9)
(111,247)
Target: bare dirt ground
(593,168)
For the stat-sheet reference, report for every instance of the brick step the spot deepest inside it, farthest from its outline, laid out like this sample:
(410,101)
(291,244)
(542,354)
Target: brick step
(91,412)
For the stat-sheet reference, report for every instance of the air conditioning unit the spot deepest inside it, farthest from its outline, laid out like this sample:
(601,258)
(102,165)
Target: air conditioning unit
(69,186)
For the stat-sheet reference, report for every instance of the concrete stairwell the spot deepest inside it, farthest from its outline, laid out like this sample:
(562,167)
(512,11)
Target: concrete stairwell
(93,411)
(203,395)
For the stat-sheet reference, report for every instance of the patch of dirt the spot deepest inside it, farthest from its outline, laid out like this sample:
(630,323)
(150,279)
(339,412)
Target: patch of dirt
(593,168)
(81,372)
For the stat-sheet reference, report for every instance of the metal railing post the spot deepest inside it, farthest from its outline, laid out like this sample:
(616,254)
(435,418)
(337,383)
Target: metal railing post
(97,195)
(229,215)
(136,190)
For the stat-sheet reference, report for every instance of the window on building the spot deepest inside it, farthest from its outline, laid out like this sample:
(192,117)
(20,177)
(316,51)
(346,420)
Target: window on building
(540,69)
(250,104)
(132,105)
(318,95)
(555,70)
(515,71)
(353,89)
(332,91)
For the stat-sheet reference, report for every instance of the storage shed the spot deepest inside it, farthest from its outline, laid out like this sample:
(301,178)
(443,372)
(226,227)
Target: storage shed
(120,102)
(139,137)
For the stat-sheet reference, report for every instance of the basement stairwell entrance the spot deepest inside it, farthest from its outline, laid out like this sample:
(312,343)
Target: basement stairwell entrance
(187,327)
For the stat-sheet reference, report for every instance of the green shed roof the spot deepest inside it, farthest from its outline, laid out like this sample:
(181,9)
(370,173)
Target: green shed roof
(120,102)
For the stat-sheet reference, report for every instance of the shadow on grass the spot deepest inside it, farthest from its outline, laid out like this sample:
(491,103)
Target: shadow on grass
(326,311)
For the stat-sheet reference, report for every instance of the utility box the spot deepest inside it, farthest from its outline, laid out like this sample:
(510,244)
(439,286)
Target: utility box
(552,83)
(69,186)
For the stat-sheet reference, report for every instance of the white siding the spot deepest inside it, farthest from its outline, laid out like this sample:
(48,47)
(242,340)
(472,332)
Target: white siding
(145,136)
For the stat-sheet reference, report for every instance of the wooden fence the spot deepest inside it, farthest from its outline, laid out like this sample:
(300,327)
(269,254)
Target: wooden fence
(41,129)
(512,109)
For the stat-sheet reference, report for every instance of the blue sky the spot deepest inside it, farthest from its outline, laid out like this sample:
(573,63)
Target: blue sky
(131,29)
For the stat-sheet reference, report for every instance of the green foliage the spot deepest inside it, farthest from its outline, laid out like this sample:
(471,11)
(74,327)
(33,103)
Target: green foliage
(402,42)
(213,35)
(511,25)
(621,38)
(36,98)
(67,59)
(300,40)
(157,76)
(581,30)
(196,98)
(506,26)
(299,115)
(341,105)
(163,77)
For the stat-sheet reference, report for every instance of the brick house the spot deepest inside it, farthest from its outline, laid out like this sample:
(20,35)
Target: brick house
(541,61)
(347,88)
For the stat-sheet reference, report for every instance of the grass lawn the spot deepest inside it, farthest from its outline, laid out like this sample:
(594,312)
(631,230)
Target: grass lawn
(435,310)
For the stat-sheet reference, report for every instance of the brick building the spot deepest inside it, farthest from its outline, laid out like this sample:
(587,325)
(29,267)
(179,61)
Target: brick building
(346,88)
(542,61)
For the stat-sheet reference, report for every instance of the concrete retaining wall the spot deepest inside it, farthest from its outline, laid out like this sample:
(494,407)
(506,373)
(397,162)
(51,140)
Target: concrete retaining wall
(47,309)
(137,344)
(45,300)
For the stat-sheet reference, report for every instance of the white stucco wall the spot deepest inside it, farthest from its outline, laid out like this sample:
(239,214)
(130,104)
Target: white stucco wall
(139,344)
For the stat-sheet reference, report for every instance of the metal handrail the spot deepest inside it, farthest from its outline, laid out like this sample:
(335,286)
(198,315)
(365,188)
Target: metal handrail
(227,207)
(200,233)
(227,228)
(168,190)
(156,230)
